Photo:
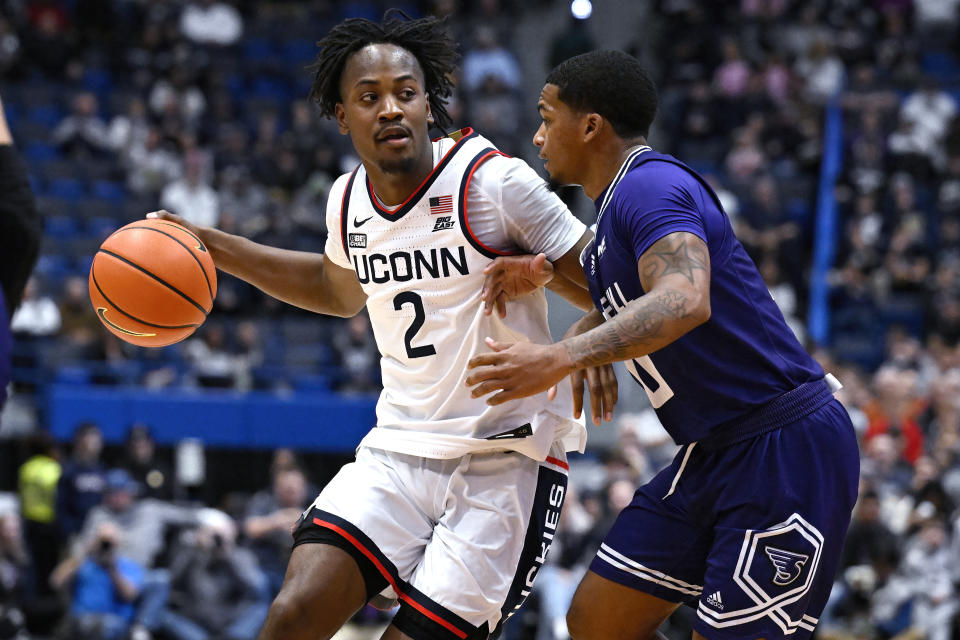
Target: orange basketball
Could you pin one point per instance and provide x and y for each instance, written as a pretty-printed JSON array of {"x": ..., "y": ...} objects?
[{"x": 152, "y": 283}]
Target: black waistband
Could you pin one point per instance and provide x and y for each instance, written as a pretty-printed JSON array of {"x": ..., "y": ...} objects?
[{"x": 779, "y": 412}]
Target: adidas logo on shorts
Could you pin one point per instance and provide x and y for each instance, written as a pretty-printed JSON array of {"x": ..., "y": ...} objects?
[{"x": 714, "y": 600}]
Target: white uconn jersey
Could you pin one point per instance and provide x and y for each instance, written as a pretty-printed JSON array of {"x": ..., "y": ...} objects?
[{"x": 421, "y": 267}]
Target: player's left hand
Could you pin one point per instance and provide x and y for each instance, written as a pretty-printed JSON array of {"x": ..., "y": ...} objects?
[
  {"x": 517, "y": 370},
  {"x": 509, "y": 277}
]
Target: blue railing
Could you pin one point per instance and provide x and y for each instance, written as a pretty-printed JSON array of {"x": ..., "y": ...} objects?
[{"x": 825, "y": 230}]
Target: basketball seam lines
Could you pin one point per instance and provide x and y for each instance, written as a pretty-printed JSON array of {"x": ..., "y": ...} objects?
[
  {"x": 134, "y": 318},
  {"x": 160, "y": 280},
  {"x": 200, "y": 264}
]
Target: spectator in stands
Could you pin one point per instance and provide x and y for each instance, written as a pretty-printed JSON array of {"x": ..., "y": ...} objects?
[
  {"x": 81, "y": 485},
  {"x": 83, "y": 133},
  {"x": 312, "y": 195},
  {"x": 38, "y": 315},
  {"x": 822, "y": 72},
  {"x": 936, "y": 20},
  {"x": 357, "y": 355},
  {"x": 152, "y": 474},
  {"x": 211, "y": 22},
  {"x": 80, "y": 331},
  {"x": 212, "y": 364},
  {"x": 928, "y": 568},
  {"x": 243, "y": 202},
  {"x": 217, "y": 590},
  {"x": 37, "y": 490},
  {"x": 103, "y": 585},
  {"x": 495, "y": 110},
  {"x": 269, "y": 518},
  {"x": 869, "y": 537},
  {"x": 16, "y": 578},
  {"x": 45, "y": 44},
  {"x": 130, "y": 128},
  {"x": 488, "y": 57},
  {"x": 884, "y": 467},
  {"x": 733, "y": 74},
  {"x": 191, "y": 196},
  {"x": 145, "y": 521},
  {"x": 151, "y": 165},
  {"x": 746, "y": 159},
  {"x": 248, "y": 353},
  {"x": 895, "y": 409},
  {"x": 766, "y": 229},
  {"x": 870, "y": 555},
  {"x": 572, "y": 41},
  {"x": 178, "y": 96},
  {"x": 930, "y": 110}
]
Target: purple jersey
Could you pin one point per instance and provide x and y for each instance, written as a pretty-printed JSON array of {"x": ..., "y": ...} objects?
[{"x": 745, "y": 355}]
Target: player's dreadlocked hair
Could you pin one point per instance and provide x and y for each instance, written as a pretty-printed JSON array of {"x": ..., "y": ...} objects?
[
  {"x": 612, "y": 84},
  {"x": 426, "y": 38}
]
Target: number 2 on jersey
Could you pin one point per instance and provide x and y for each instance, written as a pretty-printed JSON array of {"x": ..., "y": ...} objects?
[{"x": 411, "y": 297}]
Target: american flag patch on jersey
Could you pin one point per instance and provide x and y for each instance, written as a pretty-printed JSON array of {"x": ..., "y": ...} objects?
[{"x": 440, "y": 205}]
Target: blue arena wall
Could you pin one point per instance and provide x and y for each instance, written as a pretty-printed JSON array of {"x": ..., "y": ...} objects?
[{"x": 307, "y": 421}]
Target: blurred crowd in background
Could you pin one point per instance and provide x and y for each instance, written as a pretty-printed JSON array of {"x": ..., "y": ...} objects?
[{"x": 124, "y": 106}]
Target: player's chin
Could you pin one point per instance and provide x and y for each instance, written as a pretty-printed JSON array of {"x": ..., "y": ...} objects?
[
  {"x": 397, "y": 164},
  {"x": 554, "y": 182}
]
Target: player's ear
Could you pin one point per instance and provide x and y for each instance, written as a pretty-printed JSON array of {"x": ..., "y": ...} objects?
[
  {"x": 341, "y": 115},
  {"x": 429, "y": 111},
  {"x": 593, "y": 124}
]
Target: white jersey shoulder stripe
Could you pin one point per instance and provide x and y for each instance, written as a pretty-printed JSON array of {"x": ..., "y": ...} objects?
[
  {"x": 344, "y": 207},
  {"x": 479, "y": 159}
]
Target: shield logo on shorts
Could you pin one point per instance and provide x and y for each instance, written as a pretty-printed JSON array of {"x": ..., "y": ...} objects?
[{"x": 775, "y": 569}]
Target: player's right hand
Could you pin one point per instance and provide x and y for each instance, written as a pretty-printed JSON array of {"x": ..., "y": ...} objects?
[
  {"x": 510, "y": 277},
  {"x": 163, "y": 214},
  {"x": 602, "y": 384}
]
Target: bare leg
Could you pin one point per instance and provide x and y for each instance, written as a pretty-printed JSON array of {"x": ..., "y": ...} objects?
[
  {"x": 323, "y": 588},
  {"x": 603, "y": 609}
]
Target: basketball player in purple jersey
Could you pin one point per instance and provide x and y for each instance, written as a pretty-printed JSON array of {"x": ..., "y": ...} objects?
[{"x": 748, "y": 521}]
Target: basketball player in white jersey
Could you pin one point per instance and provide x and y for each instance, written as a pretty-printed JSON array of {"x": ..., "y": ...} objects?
[{"x": 451, "y": 504}]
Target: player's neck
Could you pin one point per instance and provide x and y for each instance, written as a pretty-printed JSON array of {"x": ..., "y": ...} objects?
[
  {"x": 606, "y": 162},
  {"x": 394, "y": 187}
]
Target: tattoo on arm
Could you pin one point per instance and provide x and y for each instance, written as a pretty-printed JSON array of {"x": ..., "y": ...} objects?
[
  {"x": 674, "y": 253},
  {"x": 671, "y": 307},
  {"x": 639, "y": 327}
]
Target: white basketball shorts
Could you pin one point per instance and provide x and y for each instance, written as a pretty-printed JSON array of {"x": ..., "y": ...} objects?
[{"x": 456, "y": 542}]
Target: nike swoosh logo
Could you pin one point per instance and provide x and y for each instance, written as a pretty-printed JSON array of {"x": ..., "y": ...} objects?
[
  {"x": 199, "y": 246},
  {"x": 102, "y": 312},
  {"x": 358, "y": 223}
]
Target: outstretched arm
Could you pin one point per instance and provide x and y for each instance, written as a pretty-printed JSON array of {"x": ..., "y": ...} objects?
[
  {"x": 305, "y": 280},
  {"x": 675, "y": 273}
]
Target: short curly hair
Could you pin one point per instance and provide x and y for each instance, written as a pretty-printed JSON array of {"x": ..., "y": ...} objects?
[
  {"x": 425, "y": 38},
  {"x": 612, "y": 84}
]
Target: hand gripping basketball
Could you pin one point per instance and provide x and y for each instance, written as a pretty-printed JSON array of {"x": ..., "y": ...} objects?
[{"x": 152, "y": 282}]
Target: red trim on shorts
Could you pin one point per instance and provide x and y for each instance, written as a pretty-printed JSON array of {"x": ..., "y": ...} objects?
[
  {"x": 560, "y": 463},
  {"x": 393, "y": 583},
  {"x": 464, "y": 198}
]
